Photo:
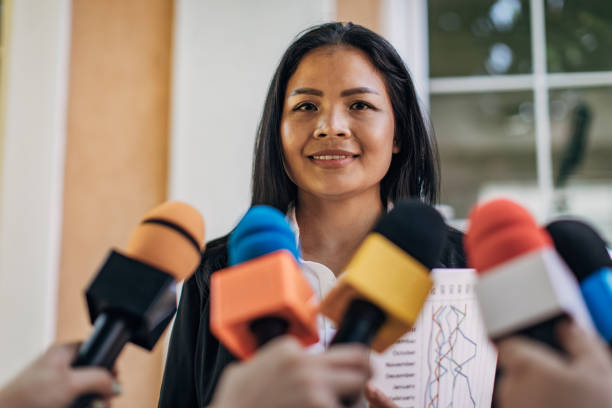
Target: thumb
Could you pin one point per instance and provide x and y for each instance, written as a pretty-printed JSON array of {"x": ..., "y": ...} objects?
[
  {"x": 519, "y": 354},
  {"x": 281, "y": 346},
  {"x": 581, "y": 344},
  {"x": 376, "y": 398},
  {"x": 85, "y": 380}
]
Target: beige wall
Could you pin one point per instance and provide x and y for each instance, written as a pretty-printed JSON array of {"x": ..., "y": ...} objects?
[
  {"x": 116, "y": 157},
  {"x": 364, "y": 12}
]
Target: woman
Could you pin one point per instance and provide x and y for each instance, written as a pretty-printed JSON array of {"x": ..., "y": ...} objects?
[{"x": 341, "y": 138}]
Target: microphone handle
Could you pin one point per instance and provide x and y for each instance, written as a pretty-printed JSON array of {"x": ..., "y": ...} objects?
[
  {"x": 544, "y": 332},
  {"x": 266, "y": 328},
  {"x": 110, "y": 335},
  {"x": 360, "y": 325}
]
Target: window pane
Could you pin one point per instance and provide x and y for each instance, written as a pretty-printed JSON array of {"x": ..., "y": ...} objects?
[
  {"x": 581, "y": 127},
  {"x": 487, "y": 148},
  {"x": 479, "y": 37},
  {"x": 579, "y": 35}
]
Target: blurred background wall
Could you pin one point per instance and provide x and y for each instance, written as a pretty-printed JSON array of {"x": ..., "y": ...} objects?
[
  {"x": 34, "y": 83},
  {"x": 116, "y": 147},
  {"x": 109, "y": 107},
  {"x": 224, "y": 57}
]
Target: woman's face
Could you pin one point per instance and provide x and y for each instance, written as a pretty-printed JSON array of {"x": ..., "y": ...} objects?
[{"x": 337, "y": 128}]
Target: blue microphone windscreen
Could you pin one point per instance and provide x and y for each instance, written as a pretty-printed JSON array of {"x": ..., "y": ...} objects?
[
  {"x": 261, "y": 231},
  {"x": 597, "y": 292}
]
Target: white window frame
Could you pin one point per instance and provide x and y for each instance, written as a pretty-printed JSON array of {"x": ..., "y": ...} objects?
[{"x": 412, "y": 43}]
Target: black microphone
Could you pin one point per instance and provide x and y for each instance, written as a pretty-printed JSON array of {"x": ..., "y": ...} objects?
[
  {"x": 133, "y": 296},
  {"x": 587, "y": 256},
  {"x": 383, "y": 288},
  {"x": 381, "y": 293}
]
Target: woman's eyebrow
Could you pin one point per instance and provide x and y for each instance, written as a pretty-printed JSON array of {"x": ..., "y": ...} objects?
[
  {"x": 347, "y": 92},
  {"x": 359, "y": 90},
  {"x": 309, "y": 91}
]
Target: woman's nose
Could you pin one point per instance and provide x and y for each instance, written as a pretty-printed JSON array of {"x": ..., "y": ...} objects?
[{"x": 332, "y": 123}]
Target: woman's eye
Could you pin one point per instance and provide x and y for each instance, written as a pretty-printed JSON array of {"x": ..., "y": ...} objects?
[
  {"x": 306, "y": 106},
  {"x": 359, "y": 105}
]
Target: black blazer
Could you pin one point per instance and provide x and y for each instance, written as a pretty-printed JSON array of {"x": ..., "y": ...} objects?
[{"x": 196, "y": 359}]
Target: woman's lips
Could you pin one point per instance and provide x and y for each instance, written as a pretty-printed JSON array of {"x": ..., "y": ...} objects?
[{"x": 333, "y": 160}]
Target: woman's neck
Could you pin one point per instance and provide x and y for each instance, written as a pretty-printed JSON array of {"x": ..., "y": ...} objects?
[{"x": 332, "y": 230}]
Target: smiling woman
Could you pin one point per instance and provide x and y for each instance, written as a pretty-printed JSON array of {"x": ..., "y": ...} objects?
[
  {"x": 337, "y": 125},
  {"x": 341, "y": 138}
]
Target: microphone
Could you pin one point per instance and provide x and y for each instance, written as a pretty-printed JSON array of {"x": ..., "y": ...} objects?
[
  {"x": 133, "y": 296},
  {"x": 384, "y": 287},
  {"x": 586, "y": 254},
  {"x": 524, "y": 287},
  {"x": 263, "y": 294}
]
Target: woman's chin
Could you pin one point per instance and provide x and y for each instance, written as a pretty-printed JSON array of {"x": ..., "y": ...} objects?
[{"x": 340, "y": 192}]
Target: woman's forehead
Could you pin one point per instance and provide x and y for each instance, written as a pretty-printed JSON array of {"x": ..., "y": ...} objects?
[{"x": 335, "y": 68}]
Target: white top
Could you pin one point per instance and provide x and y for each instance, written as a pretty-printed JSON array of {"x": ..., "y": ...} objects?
[{"x": 321, "y": 279}]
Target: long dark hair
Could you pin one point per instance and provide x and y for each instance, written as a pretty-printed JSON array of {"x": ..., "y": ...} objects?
[{"x": 413, "y": 171}]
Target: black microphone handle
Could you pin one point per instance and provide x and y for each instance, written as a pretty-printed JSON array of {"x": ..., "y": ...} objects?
[
  {"x": 267, "y": 328},
  {"x": 360, "y": 325},
  {"x": 544, "y": 332},
  {"x": 110, "y": 335}
]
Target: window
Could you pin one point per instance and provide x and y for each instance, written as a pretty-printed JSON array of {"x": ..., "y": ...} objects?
[{"x": 520, "y": 96}]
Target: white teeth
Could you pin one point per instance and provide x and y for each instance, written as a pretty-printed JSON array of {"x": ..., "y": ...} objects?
[{"x": 334, "y": 157}]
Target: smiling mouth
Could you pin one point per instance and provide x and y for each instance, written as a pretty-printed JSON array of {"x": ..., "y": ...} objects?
[{"x": 333, "y": 156}]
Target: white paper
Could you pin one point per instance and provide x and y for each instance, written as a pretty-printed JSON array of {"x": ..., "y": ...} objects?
[{"x": 446, "y": 360}]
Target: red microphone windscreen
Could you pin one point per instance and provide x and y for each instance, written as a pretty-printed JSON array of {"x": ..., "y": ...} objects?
[{"x": 500, "y": 230}]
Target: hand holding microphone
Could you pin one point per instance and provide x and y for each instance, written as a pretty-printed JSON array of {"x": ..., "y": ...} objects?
[
  {"x": 524, "y": 287},
  {"x": 133, "y": 297},
  {"x": 284, "y": 375},
  {"x": 537, "y": 376},
  {"x": 50, "y": 382},
  {"x": 263, "y": 294},
  {"x": 381, "y": 293}
]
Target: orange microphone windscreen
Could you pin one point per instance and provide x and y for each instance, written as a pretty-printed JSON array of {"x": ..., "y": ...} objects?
[
  {"x": 271, "y": 285},
  {"x": 170, "y": 237},
  {"x": 500, "y": 230}
]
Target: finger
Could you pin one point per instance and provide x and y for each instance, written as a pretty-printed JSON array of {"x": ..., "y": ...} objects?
[
  {"x": 63, "y": 352},
  {"x": 377, "y": 399},
  {"x": 283, "y": 344},
  {"x": 285, "y": 350},
  {"x": 580, "y": 344},
  {"x": 520, "y": 353},
  {"x": 93, "y": 380},
  {"x": 99, "y": 404},
  {"x": 61, "y": 355},
  {"x": 345, "y": 381},
  {"x": 503, "y": 391},
  {"x": 327, "y": 400},
  {"x": 70, "y": 348},
  {"x": 353, "y": 356}
]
